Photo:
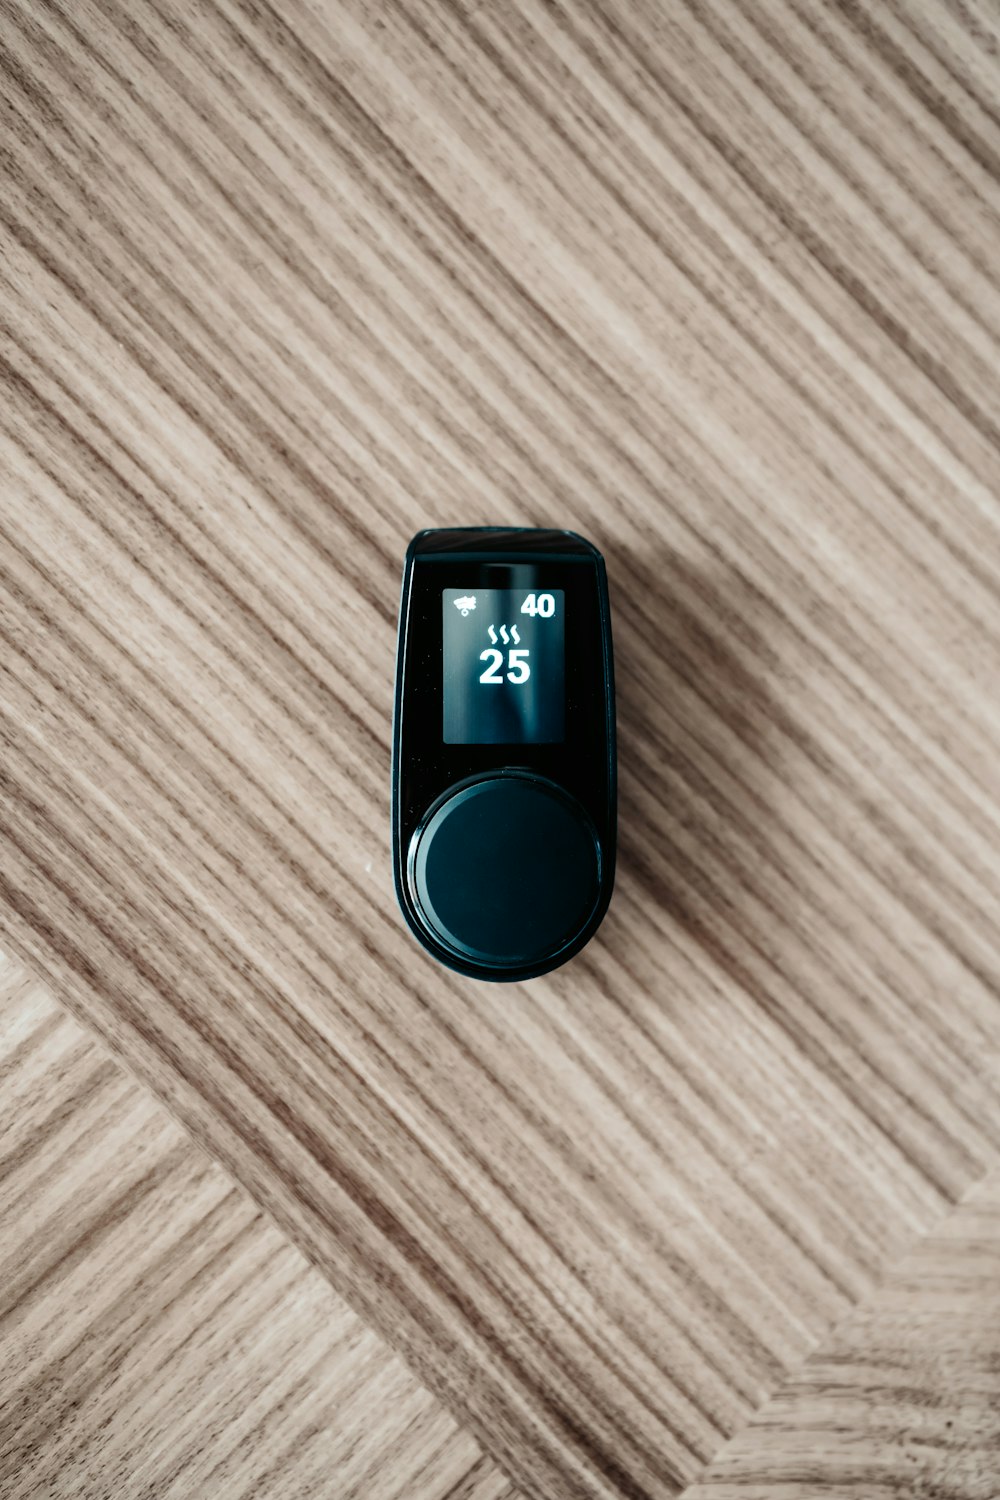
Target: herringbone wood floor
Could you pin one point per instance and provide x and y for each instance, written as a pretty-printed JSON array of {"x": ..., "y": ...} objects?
[{"x": 715, "y": 1205}]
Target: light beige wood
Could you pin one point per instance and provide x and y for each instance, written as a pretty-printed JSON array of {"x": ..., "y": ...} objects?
[
  {"x": 904, "y": 1398},
  {"x": 157, "y": 1336},
  {"x": 718, "y": 287}
]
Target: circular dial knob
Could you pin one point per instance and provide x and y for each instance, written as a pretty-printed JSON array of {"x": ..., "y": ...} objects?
[{"x": 506, "y": 871}]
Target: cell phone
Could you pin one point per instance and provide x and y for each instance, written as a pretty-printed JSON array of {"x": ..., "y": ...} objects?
[{"x": 504, "y": 772}]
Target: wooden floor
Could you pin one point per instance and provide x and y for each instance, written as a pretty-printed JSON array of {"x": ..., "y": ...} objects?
[
  {"x": 158, "y": 1335},
  {"x": 714, "y": 1209}
]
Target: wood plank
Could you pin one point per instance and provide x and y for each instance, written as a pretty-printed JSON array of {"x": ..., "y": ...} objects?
[
  {"x": 718, "y": 289},
  {"x": 157, "y": 1335},
  {"x": 904, "y": 1398}
]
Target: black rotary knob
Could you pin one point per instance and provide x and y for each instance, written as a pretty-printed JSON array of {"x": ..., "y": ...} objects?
[{"x": 505, "y": 871}]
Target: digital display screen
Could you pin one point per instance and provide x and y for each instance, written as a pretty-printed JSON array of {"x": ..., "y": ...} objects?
[{"x": 504, "y": 666}]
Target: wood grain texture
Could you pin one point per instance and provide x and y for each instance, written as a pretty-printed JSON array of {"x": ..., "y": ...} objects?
[
  {"x": 157, "y": 1336},
  {"x": 715, "y": 285},
  {"x": 904, "y": 1397}
]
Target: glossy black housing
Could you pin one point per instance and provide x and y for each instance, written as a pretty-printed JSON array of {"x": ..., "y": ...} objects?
[{"x": 424, "y": 767}]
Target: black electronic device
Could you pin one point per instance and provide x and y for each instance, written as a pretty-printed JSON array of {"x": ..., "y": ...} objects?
[{"x": 504, "y": 768}]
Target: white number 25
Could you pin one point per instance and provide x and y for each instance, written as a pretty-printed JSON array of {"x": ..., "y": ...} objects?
[{"x": 517, "y": 665}]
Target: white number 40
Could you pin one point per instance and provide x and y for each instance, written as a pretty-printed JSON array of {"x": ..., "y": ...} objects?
[
  {"x": 517, "y": 665},
  {"x": 539, "y": 604}
]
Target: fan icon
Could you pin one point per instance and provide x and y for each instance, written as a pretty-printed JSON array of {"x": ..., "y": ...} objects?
[{"x": 467, "y": 602}]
